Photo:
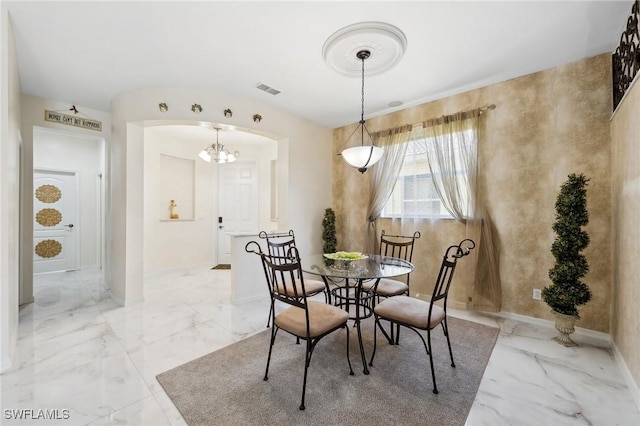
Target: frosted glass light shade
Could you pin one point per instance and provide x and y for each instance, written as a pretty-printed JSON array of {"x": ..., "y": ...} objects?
[
  {"x": 362, "y": 157},
  {"x": 205, "y": 156}
]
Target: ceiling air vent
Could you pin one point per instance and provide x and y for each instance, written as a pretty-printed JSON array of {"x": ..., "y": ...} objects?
[{"x": 267, "y": 89}]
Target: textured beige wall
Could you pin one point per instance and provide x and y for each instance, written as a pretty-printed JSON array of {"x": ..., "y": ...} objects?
[
  {"x": 546, "y": 126},
  {"x": 625, "y": 139}
]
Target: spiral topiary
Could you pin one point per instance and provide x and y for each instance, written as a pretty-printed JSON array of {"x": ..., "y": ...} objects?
[
  {"x": 329, "y": 231},
  {"x": 567, "y": 291}
]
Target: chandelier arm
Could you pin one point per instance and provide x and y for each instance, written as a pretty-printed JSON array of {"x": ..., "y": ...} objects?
[
  {"x": 368, "y": 159},
  {"x": 368, "y": 134},
  {"x": 349, "y": 138}
]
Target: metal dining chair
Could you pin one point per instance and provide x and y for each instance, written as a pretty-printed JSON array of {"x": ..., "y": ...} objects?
[
  {"x": 305, "y": 319},
  {"x": 416, "y": 314},
  {"x": 401, "y": 247},
  {"x": 279, "y": 245}
]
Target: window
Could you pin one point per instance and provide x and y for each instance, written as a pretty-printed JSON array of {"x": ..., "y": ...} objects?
[{"x": 414, "y": 194}]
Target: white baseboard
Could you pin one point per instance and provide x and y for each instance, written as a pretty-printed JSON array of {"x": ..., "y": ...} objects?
[
  {"x": 626, "y": 373},
  {"x": 598, "y": 335}
]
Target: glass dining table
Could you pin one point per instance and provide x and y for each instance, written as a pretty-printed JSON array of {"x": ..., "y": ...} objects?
[{"x": 344, "y": 279}]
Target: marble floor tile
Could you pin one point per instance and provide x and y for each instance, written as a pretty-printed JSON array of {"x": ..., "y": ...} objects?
[
  {"x": 532, "y": 380},
  {"x": 43, "y": 327},
  {"x": 89, "y": 391},
  {"x": 49, "y": 358},
  {"x": 180, "y": 348},
  {"x": 80, "y": 351},
  {"x": 143, "y": 412},
  {"x": 170, "y": 411}
]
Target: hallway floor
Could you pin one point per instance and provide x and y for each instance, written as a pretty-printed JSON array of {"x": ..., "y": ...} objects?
[{"x": 95, "y": 362}]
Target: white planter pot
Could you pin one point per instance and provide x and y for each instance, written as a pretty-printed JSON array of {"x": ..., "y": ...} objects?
[{"x": 565, "y": 326}]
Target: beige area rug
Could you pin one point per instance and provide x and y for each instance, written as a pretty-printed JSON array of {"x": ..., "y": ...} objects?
[{"x": 226, "y": 387}]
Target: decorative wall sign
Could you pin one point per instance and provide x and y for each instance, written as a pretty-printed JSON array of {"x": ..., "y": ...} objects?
[
  {"x": 69, "y": 120},
  {"x": 48, "y": 248},
  {"x": 48, "y": 193},
  {"x": 48, "y": 217}
]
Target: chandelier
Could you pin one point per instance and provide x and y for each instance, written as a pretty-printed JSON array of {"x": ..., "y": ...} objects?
[
  {"x": 363, "y": 156},
  {"x": 217, "y": 153}
]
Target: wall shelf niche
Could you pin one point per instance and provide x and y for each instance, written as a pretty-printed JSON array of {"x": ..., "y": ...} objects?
[{"x": 176, "y": 183}]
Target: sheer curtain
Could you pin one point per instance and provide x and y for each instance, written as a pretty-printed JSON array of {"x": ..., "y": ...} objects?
[
  {"x": 451, "y": 143},
  {"x": 383, "y": 177}
]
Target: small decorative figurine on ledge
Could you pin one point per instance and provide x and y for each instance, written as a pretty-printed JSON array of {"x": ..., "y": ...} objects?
[{"x": 172, "y": 207}]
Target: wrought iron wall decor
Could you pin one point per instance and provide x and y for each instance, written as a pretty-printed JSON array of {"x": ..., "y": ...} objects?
[{"x": 625, "y": 61}]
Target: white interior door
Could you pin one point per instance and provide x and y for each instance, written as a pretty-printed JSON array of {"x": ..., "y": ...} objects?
[
  {"x": 237, "y": 203},
  {"x": 55, "y": 226}
]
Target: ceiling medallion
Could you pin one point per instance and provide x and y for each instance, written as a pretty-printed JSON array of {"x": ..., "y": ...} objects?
[
  {"x": 385, "y": 42},
  {"x": 48, "y": 217},
  {"x": 48, "y": 248},
  {"x": 48, "y": 193}
]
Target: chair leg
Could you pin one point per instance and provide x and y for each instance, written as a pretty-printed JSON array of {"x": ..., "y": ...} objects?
[
  {"x": 433, "y": 374},
  {"x": 379, "y": 324},
  {"x": 398, "y": 329},
  {"x": 346, "y": 327},
  {"x": 375, "y": 338},
  {"x": 274, "y": 330},
  {"x": 445, "y": 328},
  {"x": 307, "y": 361},
  {"x": 389, "y": 338},
  {"x": 270, "y": 315}
]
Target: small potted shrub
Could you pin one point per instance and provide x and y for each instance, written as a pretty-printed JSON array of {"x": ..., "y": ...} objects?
[
  {"x": 329, "y": 231},
  {"x": 567, "y": 291}
]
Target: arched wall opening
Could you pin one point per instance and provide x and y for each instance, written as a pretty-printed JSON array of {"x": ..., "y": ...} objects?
[
  {"x": 304, "y": 165},
  {"x": 175, "y": 175}
]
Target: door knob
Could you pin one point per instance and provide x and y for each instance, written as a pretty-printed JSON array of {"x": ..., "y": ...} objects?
[{"x": 69, "y": 225}]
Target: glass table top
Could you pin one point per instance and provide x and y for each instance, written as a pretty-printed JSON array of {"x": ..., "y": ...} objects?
[{"x": 374, "y": 266}]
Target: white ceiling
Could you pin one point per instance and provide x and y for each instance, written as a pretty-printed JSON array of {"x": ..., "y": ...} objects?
[{"x": 86, "y": 52}]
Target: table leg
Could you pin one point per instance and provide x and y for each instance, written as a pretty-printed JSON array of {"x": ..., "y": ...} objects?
[{"x": 358, "y": 305}]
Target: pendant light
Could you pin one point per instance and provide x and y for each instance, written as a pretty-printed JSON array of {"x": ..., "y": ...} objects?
[
  {"x": 217, "y": 152},
  {"x": 363, "y": 156}
]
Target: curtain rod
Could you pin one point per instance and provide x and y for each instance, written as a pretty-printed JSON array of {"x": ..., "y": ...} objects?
[
  {"x": 406, "y": 127},
  {"x": 488, "y": 107}
]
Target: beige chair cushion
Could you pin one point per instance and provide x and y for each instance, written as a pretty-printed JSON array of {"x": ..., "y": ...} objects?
[
  {"x": 311, "y": 287},
  {"x": 387, "y": 287},
  {"x": 322, "y": 318},
  {"x": 410, "y": 311}
]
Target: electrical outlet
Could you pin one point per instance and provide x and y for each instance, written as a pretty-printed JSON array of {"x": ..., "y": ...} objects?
[{"x": 537, "y": 294}]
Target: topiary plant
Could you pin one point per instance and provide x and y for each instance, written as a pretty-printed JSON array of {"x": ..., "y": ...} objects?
[
  {"x": 567, "y": 292},
  {"x": 329, "y": 231}
]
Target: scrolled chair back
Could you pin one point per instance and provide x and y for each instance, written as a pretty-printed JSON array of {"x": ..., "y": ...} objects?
[
  {"x": 448, "y": 266},
  {"x": 279, "y": 243},
  {"x": 398, "y": 246},
  {"x": 284, "y": 277}
]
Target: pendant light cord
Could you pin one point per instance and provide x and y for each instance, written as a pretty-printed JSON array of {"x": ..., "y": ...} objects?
[{"x": 362, "y": 98}]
